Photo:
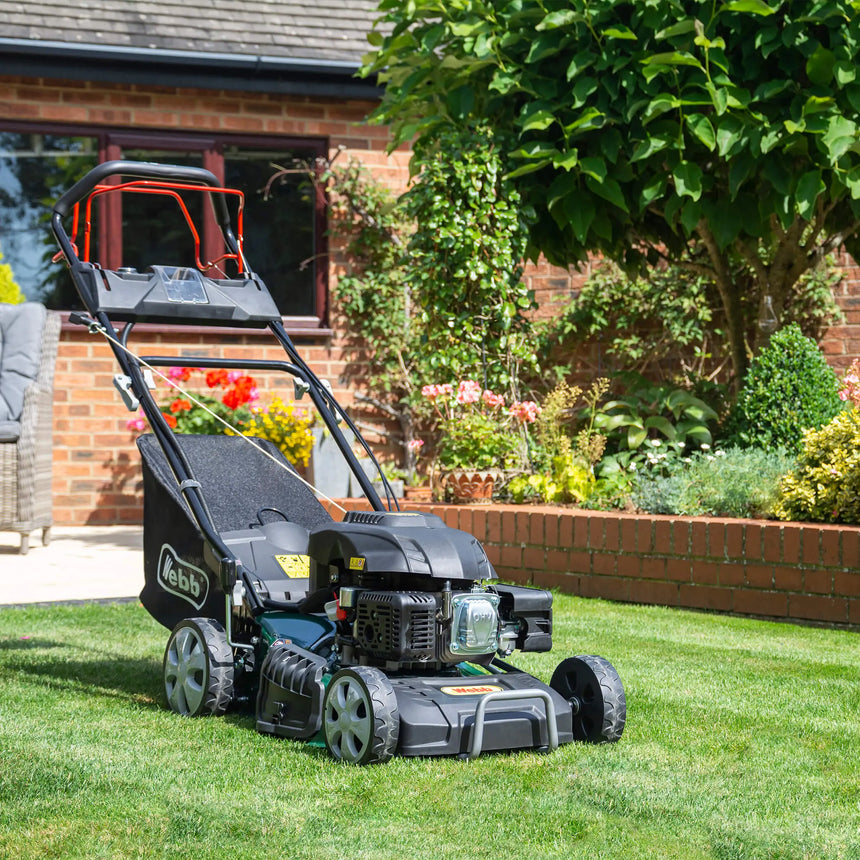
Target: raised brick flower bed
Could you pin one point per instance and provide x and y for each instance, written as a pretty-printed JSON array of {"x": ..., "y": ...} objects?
[{"x": 796, "y": 571}]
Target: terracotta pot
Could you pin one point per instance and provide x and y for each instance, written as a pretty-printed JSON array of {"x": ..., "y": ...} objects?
[{"x": 470, "y": 487}]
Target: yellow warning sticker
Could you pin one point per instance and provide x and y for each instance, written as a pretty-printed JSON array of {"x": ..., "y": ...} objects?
[
  {"x": 356, "y": 563},
  {"x": 471, "y": 690},
  {"x": 295, "y": 566}
]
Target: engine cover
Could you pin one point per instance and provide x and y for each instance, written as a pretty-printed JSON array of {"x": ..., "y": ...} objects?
[{"x": 396, "y": 625}]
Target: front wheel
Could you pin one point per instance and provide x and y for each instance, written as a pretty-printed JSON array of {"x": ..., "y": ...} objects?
[
  {"x": 596, "y": 697},
  {"x": 361, "y": 722},
  {"x": 198, "y": 668}
]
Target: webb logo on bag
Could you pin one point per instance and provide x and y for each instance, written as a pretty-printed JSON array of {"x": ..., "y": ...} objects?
[{"x": 182, "y": 579}]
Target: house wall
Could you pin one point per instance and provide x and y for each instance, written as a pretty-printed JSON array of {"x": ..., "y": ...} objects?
[{"x": 96, "y": 464}]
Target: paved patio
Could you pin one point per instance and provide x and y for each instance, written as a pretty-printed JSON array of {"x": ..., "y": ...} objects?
[{"x": 80, "y": 563}]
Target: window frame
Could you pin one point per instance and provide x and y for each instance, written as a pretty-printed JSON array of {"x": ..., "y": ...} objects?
[{"x": 110, "y": 142}]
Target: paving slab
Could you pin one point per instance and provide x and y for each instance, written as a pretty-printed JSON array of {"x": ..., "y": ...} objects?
[{"x": 79, "y": 563}]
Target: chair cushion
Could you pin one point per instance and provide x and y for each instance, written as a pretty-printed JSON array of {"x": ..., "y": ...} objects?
[
  {"x": 20, "y": 350},
  {"x": 10, "y": 431}
]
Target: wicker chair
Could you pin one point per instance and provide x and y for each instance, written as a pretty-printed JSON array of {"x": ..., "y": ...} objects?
[{"x": 26, "y": 449}]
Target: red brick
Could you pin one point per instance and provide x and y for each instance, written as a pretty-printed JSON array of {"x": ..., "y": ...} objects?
[
  {"x": 612, "y": 534},
  {"x": 731, "y": 574},
  {"x": 564, "y": 582},
  {"x": 759, "y": 575},
  {"x": 580, "y": 561},
  {"x": 628, "y": 534},
  {"x": 681, "y": 537},
  {"x": 663, "y": 536},
  {"x": 534, "y": 558},
  {"x": 811, "y": 542},
  {"x": 854, "y": 611},
  {"x": 494, "y": 553},
  {"x": 509, "y": 527},
  {"x": 791, "y": 540},
  {"x": 645, "y": 535},
  {"x": 770, "y": 603},
  {"x": 606, "y": 587},
  {"x": 494, "y": 526},
  {"x": 479, "y": 524},
  {"x": 595, "y": 532},
  {"x": 818, "y": 608},
  {"x": 653, "y": 568},
  {"x": 772, "y": 543},
  {"x": 787, "y": 578},
  {"x": 565, "y": 530},
  {"x": 706, "y": 597},
  {"x": 551, "y": 530},
  {"x": 515, "y": 574},
  {"x": 559, "y": 560},
  {"x": 580, "y": 531},
  {"x": 734, "y": 540},
  {"x": 818, "y": 581},
  {"x": 603, "y": 564},
  {"x": 679, "y": 569},
  {"x": 851, "y": 548},
  {"x": 752, "y": 541},
  {"x": 629, "y": 566},
  {"x": 657, "y": 593},
  {"x": 706, "y": 572},
  {"x": 523, "y": 526},
  {"x": 699, "y": 539},
  {"x": 847, "y": 583},
  {"x": 512, "y": 556},
  {"x": 830, "y": 555},
  {"x": 716, "y": 539}
]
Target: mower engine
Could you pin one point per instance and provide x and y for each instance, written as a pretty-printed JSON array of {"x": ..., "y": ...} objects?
[{"x": 407, "y": 593}]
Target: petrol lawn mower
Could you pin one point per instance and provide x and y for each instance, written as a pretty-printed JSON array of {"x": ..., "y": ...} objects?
[{"x": 385, "y": 633}]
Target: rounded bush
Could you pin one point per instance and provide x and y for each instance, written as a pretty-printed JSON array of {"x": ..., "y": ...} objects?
[
  {"x": 825, "y": 486},
  {"x": 788, "y": 388}
]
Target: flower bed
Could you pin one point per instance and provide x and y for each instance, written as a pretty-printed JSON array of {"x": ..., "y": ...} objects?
[{"x": 790, "y": 571}]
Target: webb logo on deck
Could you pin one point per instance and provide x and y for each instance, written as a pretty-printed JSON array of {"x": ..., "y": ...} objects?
[{"x": 182, "y": 579}]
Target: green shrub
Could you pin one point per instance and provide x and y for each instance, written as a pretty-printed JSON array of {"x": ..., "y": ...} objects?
[
  {"x": 788, "y": 389},
  {"x": 825, "y": 486},
  {"x": 737, "y": 482},
  {"x": 10, "y": 292}
]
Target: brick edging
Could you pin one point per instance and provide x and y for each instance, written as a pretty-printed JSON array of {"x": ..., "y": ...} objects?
[{"x": 794, "y": 571}]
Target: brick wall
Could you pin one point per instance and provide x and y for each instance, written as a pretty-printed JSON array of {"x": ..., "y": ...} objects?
[{"x": 795, "y": 571}]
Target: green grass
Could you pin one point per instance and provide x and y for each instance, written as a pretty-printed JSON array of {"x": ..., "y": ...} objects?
[{"x": 742, "y": 741}]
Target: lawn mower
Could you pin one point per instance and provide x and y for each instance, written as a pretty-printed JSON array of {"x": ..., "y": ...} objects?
[{"x": 381, "y": 633}]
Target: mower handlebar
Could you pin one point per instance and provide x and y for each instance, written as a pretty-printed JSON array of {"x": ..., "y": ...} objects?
[{"x": 141, "y": 170}]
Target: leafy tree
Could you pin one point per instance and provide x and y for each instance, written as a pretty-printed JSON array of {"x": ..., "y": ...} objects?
[{"x": 644, "y": 128}]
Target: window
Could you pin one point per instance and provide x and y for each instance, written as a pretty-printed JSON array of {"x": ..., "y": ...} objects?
[{"x": 284, "y": 212}]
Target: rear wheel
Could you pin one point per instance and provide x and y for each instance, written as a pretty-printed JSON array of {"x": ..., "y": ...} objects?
[
  {"x": 361, "y": 722},
  {"x": 198, "y": 668},
  {"x": 596, "y": 697}
]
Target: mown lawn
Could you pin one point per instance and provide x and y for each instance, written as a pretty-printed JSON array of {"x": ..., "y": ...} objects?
[{"x": 742, "y": 741}]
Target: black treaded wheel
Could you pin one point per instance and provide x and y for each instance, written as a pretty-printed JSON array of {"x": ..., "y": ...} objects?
[
  {"x": 596, "y": 695},
  {"x": 198, "y": 668},
  {"x": 361, "y": 721}
]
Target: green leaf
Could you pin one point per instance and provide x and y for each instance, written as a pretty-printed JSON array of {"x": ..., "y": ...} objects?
[
  {"x": 729, "y": 131},
  {"x": 679, "y": 29},
  {"x": 559, "y": 19},
  {"x": 673, "y": 58},
  {"x": 566, "y": 160},
  {"x": 752, "y": 7},
  {"x": 609, "y": 190},
  {"x": 539, "y": 121},
  {"x": 688, "y": 179},
  {"x": 701, "y": 128},
  {"x": 461, "y": 101},
  {"x": 819, "y": 67},
  {"x": 816, "y": 104},
  {"x": 595, "y": 167},
  {"x": 531, "y": 167},
  {"x": 809, "y": 187},
  {"x": 845, "y": 72},
  {"x": 580, "y": 214},
  {"x": 619, "y": 31}
]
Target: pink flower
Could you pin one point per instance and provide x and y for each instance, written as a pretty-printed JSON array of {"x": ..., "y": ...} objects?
[
  {"x": 495, "y": 401},
  {"x": 138, "y": 423},
  {"x": 468, "y": 392},
  {"x": 431, "y": 392},
  {"x": 415, "y": 445},
  {"x": 180, "y": 374},
  {"x": 526, "y": 411},
  {"x": 234, "y": 376}
]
